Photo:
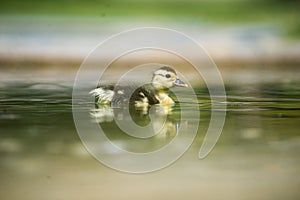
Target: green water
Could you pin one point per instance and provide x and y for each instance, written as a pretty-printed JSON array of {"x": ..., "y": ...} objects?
[{"x": 256, "y": 157}]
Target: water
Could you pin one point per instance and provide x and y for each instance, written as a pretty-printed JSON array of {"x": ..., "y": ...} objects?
[{"x": 256, "y": 157}]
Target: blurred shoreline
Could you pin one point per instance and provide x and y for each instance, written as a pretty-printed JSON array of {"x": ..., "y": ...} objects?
[
  {"x": 36, "y": 41},
  {"x": 50, "y": 49}
]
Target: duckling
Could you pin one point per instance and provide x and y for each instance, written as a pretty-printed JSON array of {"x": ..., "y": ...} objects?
[{"x": 156, "y": 92}]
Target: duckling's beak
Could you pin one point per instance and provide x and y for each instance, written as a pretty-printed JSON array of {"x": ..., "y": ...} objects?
[{"x": 180, "y": 83}]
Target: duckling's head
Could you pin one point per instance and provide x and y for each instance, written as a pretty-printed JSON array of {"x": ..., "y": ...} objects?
[{"x": 165, "y": 78}]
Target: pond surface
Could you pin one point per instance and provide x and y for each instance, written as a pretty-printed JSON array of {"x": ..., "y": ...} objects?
[{"x": 256, "y": 156}]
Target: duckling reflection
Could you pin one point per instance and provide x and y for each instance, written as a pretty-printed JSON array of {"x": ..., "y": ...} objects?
[
  {"x": 163, "y": 120},
  {"x": 103, "y": 113}
]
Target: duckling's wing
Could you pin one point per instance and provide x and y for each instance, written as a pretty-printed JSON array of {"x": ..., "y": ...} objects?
[
  {"x": 110, "y": 94},
  {"x": 121, "y": 95},
  {"x": 103, "y": 95}
]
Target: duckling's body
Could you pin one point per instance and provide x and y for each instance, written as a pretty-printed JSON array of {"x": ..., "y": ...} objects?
[{"x": 156, "y": 92}]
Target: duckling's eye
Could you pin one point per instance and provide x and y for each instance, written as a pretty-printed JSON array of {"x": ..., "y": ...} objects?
[{"x": 168, "y": 76}]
